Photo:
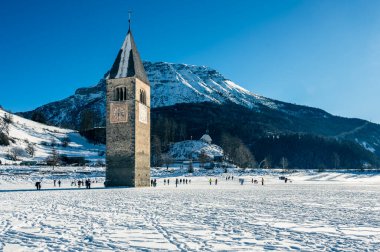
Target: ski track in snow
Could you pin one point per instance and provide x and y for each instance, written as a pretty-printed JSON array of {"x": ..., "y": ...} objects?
[{"x": 196, "y": 217}]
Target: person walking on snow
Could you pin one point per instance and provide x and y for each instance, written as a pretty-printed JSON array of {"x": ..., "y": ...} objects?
[
  {"x": 216, "y": 181},
  {"x": 210, "y": 180},
  {"x": 262, "y": 181},
  {"x": 241, "y": 180},
  {"x": 59, "y": 183},
  {"x": 176, "y": 182}
]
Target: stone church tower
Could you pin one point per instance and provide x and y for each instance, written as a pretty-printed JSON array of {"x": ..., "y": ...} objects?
[{"x": 128, "y": 119}]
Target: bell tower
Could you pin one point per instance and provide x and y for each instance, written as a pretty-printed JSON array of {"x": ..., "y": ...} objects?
[{"x": 128, "y": 120}]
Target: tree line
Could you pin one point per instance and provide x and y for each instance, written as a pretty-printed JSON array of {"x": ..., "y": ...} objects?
[{"x": 252, "y": 138}]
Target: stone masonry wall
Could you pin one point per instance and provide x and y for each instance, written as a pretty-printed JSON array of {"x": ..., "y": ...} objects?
[
  {"x": 120, "y": 138},
  {"x": 142, "y": 131}
]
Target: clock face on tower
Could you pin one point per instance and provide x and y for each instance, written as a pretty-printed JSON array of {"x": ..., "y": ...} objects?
[
  {"x": 118, "y": 112},
  {"x": 143, "y": 113}
]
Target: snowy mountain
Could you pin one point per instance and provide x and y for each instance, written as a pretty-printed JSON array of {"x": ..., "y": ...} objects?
[
  {"x": 23, "y": 133},
  {"x": 181, "y": 83},
  {"x": 171, "y": 84}
]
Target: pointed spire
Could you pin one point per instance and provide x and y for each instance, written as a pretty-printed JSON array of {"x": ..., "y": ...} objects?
[{"x": 128, "y": 62}]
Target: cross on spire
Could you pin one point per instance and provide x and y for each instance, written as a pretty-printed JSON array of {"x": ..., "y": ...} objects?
[{"x": 129, "y": 20}]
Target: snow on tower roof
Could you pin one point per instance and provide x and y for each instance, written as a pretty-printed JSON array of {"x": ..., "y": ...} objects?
[{"x": 128, "y": 62}]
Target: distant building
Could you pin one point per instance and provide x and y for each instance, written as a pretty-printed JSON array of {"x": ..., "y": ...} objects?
[
  {"x": 218, "y": 158},
  {"x": 206, "y": 138},
  {"x": 193, "y": 149}
]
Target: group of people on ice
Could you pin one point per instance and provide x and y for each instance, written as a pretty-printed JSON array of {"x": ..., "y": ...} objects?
[
  {"x": 38, "y": 185},
  {"x": 185, "y": 181},
  {"x": 181, "y": 181},
  {"x": 210, "y": 181},
  {"x": 253, "y": 181},
  {"x": 229, "y": 177},
  {"x": 153, "y": 182},
  {"x": 55, "y": 183},
  {"x": 80, "y": 183}
]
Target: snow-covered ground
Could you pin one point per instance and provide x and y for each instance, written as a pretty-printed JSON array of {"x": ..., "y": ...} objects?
[
  {"x": 44, "y": 138},
  {"x": 316, "y": 212}
]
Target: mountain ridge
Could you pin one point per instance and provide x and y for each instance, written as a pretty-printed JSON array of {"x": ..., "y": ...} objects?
[
  {"x": 169, "y": 87},
  {"x": 174, "y": 84}
]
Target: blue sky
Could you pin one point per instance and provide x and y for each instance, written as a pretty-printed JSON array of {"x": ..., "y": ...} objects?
[{"x": 321, "y": 53}]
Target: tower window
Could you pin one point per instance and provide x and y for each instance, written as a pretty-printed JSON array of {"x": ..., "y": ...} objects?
[
  {"x": 143, "y": 96},
  {"x": 120, "y": 94}
]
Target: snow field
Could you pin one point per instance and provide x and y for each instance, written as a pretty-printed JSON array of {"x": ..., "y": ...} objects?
[{"x": 312, "y": 214}]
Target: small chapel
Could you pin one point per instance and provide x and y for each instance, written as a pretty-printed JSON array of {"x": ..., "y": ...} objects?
[{"x": 128, "y": 119}]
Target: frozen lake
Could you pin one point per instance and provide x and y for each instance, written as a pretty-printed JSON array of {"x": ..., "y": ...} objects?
[{"x": 306, "y": 215}]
